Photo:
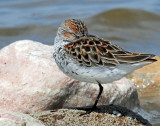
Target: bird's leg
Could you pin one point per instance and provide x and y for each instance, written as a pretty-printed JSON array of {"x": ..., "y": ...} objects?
[
  {"x": 94, "y": 107},
  {"x": 99, "y": 94}
]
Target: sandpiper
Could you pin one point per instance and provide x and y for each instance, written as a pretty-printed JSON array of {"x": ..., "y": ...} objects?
[{"x": 88, "y": 58}]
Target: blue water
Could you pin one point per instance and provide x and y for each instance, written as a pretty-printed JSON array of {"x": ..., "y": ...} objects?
[
  {"x": 20, "y": 12},
  {"x": 29, "y": 17}
]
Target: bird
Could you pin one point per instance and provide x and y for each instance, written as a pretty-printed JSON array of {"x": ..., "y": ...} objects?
[{"x": 89, "y": 58}]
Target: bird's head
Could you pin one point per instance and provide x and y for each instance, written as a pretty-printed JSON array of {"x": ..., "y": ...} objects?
[{"x": 72, "y": 29}]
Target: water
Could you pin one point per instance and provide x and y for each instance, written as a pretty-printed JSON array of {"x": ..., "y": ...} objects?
[{"x": 135, "y": 25}]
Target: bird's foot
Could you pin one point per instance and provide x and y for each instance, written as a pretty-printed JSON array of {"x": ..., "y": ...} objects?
[{"x": 88, "y": 111}]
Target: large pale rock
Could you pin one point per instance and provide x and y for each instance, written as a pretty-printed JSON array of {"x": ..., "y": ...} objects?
[
  {"x": 30, "y": 81},
  {"x": 147, "y": 80},
  {"x": 147, "y": 75}
]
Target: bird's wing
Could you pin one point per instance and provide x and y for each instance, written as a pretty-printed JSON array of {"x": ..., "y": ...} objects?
[{"x": 94, "y": 51}]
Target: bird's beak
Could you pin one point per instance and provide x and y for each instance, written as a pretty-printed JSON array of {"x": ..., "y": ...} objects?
[{"x": 67, "y": 41}]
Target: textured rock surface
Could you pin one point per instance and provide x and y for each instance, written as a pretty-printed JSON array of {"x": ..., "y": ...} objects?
[
  {"x": 104, "y": 116},
  {"x": 30, "y": 81}
]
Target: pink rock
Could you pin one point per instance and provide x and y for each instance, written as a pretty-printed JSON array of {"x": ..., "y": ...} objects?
[
  {"x": 10, "y": 116},
  {"x": 30, "y": 81},
  {"x": 18, "y": 119}
]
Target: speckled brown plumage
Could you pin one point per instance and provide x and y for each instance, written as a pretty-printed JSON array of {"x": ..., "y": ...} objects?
[{"x": 93, "y": 51}]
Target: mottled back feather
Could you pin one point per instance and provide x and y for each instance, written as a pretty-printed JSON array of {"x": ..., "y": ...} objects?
[{"x": 93, "y": 51}]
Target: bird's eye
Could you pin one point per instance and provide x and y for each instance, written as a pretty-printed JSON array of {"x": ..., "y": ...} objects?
[{"x": 75, "y": 35}]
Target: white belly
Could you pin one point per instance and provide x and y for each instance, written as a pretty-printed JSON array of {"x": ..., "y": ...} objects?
[
  {"x": 91, "y": 74},
  {"x": 100, "y": 74}
]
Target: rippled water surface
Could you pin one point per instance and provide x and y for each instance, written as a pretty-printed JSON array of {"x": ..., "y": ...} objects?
[{"x": 135, "y": 25}]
